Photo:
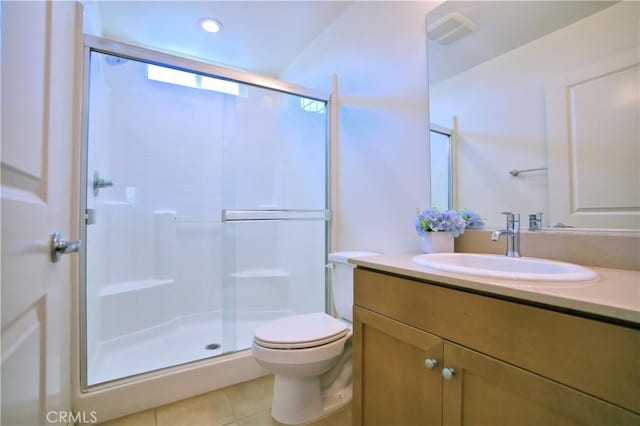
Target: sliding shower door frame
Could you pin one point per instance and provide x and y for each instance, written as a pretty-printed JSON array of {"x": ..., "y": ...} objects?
[{"x": 128, "y": 51}]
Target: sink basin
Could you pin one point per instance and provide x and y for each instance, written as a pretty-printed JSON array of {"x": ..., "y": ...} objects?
[{"x": 513, "y": 268}]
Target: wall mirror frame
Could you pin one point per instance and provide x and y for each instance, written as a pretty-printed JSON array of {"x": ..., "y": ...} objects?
[{"x": 542, "y": 100}]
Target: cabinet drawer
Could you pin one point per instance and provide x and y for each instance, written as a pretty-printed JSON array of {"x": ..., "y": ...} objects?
[{"x": 598, "y": 358}]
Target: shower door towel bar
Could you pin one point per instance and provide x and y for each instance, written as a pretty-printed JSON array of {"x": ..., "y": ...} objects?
[{"x": 274, "y": 215}]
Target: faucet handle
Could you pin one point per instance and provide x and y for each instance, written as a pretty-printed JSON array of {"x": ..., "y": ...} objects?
[
  {"x": 513, "y": 221},
  {"x": 535, "y": 221},
  {"x": 512, "y": 217}
]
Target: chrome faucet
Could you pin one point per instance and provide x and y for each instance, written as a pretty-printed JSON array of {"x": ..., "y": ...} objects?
[{"x": 513, "y": 234}]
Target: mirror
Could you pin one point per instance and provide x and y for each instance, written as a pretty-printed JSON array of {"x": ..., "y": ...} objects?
[{"x": 541, "y": 99}]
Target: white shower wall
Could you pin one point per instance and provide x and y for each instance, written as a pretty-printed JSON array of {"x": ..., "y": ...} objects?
[
  {"x": 177, "y": 157},
  {"x": 141, "y": 233}
]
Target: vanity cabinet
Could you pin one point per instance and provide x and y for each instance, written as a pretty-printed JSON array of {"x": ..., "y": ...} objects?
[
  {"x": 510, "y": 363},
  {"x": 395, "y": 387}
]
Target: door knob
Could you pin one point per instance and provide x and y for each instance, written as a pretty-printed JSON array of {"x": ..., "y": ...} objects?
[{"x": 61, "y": 246}]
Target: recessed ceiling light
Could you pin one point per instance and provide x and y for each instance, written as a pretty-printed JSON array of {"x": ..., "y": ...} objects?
[{"x": 210, "y": 25}]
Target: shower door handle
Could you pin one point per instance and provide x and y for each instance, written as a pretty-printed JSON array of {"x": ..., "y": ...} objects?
[
  {"x": 99, "y": 183},
  {"x": 61, "y": 246}
]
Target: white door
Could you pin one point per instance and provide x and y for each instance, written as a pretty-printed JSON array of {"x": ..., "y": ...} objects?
[
  {"x": 41, "y": 45},
  {"x": 593, "y": 144}
]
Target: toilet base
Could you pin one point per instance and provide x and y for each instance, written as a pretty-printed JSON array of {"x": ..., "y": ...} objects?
[
  {"x": 336, "y": 401},
  {"x": 299, "y": 400}
]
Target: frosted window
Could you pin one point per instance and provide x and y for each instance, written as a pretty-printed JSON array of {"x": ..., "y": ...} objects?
[
  {"x": 169, "y": 75},
  {"x": 217, "y": 85},
  {"x": 183, "y": 78}
]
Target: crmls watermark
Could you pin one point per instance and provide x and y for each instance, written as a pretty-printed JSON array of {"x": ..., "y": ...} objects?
[{"x": 70, "y": 417}]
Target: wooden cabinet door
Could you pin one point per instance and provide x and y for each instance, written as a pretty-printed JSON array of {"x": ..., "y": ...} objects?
[
  {"x": 485, "y": 391},
  {"x": 391, "y": 383}
]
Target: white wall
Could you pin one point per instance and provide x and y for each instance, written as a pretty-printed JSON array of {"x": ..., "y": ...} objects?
[
  {"x": 378, "y": 51},
  {"x": 500, "y": 106}
]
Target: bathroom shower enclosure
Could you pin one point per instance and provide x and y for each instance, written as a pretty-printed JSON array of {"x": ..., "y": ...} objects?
[{"x": 205, "y": 209}]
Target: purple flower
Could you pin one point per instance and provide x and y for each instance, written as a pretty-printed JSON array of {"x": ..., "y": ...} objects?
[
  {"x": 432, "y": 220},
  {"x": 472, "y": 220}
]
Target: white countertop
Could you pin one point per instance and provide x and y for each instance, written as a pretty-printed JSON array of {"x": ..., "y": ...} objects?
[{"x": 614, "y": 294}]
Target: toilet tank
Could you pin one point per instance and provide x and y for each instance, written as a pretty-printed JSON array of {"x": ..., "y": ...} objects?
[{"x": 342, "y": 281}]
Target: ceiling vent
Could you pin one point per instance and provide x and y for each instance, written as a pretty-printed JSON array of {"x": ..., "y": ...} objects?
[{"x": 450, "y": 28}]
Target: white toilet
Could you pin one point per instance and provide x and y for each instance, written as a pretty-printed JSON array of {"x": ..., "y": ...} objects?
[{"x": 310, "y": 354}]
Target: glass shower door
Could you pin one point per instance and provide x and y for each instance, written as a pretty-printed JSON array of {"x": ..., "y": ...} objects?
[
  {"x": 205, "y": 213},
  {"x": 275, "y": 210}
]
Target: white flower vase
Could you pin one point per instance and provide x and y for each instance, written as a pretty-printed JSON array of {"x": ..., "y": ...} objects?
[{"x": 437, "y": 242}]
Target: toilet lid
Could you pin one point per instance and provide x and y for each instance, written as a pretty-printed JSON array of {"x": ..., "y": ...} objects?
[{"x": 300, "y": 331}]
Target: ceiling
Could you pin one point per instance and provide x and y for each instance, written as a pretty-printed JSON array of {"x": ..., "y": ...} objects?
[
  {"x": 501, "y": 26},
  {"x": 258, "y": 36},
  {"x": 264, "y": 37}
]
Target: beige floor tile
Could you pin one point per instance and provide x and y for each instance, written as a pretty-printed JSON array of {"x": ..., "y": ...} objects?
[
  {"x": 250, "y": 397},
  {"x": 340, "y": 418},
  {"x": 211, "y": 409},
  {"x": 143, "y": 418},
  {"x": 262, "y": 418}
]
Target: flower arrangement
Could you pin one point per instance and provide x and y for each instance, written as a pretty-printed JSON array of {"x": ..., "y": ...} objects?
[
  {"x": 433, "y": 220},
  {"x": 472, "y": 220}
]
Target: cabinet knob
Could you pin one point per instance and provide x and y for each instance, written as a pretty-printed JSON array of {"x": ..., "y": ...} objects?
[
  {"x": 448, "y": 373},
  {"x": 430, "y": 363}
]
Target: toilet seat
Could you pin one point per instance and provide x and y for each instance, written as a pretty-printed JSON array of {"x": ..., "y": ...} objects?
[{"x": 300, "y": 331}]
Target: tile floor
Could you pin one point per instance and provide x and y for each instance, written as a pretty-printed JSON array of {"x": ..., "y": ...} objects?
[{"x": 244, "y": 404}]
